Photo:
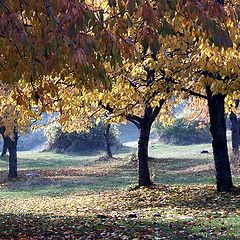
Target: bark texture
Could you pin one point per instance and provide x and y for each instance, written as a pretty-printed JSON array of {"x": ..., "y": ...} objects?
[
  {"x": 235, "y": 132},
  {"x": 144, "y": 175},
  {"x": 219, "y": 141},
  {"x": 11, "y": 145}
]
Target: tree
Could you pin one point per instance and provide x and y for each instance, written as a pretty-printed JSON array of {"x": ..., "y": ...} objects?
[
  {"x": 11, "y": 146},
  {"x": 209, "y": 71},
  {"x": 107, "y": 140},
  {"x": 117, "y": 106},
  {"x": 235, "y": 128},
  {"x": 14, "y": 118},
  {"x": 92, "y": 140},
  {"x": 73, "y": 38},
  {"x": 218, "y": 73}
]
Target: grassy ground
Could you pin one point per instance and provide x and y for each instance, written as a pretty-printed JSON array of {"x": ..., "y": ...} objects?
[{"x": 61, "y": 196}]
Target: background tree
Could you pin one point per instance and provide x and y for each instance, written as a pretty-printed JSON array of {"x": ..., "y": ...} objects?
[
  {"x": 235, "y": 129},
  {"x": 15, "y": 118},
  {"x": 91, "y": 140},
  {"x": 5, "y": 148}
]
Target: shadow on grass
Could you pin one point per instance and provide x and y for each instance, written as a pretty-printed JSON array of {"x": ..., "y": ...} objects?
[
  {"x": 182, "y": 171},
  {"x": 95, "y": 153},
  {"x": 182, "y": 213},
  {"x": 97, "y": 227},
  {"x": 190, "y": 197},
  {"x": 178, "y": 163},
  {"x": 29, "y": 160},
  {"x": 98, "y": 176},
  {"x": 60, "y": 174},
  {"x": 64, "y": 181}
]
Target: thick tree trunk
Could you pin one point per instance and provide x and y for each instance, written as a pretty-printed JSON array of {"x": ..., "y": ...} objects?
[
  {"x": 219, "y": 141},
  {"x": 235, "y": 132},
  {"x": 108, "y": 142},
  {"x": 144, "y": 175}
]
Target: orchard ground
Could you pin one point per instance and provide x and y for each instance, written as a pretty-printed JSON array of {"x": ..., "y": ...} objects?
[{"x": 59, "y": 196}]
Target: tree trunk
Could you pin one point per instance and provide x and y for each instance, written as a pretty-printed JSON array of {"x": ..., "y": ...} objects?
[
  {"x": 144, "y": 175},
  {"x": 235, "y": 132},
  {"x": 219, "y": 141},
  {"x": 13, "y": 160},
  {"x": 108, "y": 142},
  {"x": 4, "y": 151},
  {"x": 12, "y": 148}
]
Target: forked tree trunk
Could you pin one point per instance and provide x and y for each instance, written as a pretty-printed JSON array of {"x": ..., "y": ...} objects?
[
  {"x": 219, "y": 141},
  {"x": 144, "y": 175}
]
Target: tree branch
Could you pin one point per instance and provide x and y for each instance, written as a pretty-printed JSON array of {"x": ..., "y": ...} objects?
[
  {"x": 157, "y": 110},
  {"x": 194, "y": 93}
]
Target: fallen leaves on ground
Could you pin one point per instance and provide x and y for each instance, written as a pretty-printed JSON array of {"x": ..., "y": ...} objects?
[{"x": 159, "y": 212}]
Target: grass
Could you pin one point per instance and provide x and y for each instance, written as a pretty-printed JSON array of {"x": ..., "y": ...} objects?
[{"x": 60, "y": 196}]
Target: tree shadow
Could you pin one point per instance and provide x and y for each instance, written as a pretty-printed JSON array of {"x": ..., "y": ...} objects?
[
  {"x": 94, "y": 227},
  {"x": 99, "y": 176}
]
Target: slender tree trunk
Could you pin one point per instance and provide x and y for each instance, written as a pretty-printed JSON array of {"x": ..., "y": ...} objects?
[
  {"x": 144, "y": 175},
  {"x": 108, "y": 142},
  {"x": 12, "y": 148},
  {"x": 13, "y": 160},
  {"x": 4, "y": 151},
  {"x": 219, "y": 141},
  {"x": 235, "y": 132},
  {"x": 239, "y": 131}
]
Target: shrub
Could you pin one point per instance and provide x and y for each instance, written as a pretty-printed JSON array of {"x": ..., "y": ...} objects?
[
  {"x": 94, "y": 140},
  {"x": 183, "y": 132}
]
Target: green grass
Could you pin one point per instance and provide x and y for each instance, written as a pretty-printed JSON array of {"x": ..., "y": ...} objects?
[
  {"x": 170, "y": 165},
  {"x": 47, "y": 202}
]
